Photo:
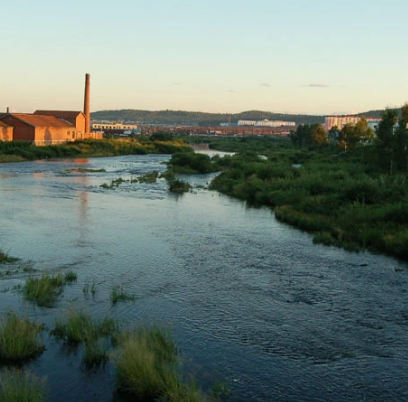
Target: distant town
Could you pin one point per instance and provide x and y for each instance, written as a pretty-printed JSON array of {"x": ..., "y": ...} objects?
[{"x": 46, "y": 127}]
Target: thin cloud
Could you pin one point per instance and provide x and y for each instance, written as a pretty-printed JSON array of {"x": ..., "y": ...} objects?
[
  {"x": 231, "y": 90},
  {"x": 317, "y": 86},
  {"x": 266, "y": 84},
  {"x": 177, "y": 82}
]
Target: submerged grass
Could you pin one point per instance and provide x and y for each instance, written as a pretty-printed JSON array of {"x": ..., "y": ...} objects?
[
  {"x": 5, "y": 258},
  {"x": 46, "y": 289},
  {"x": 96, "y": 336},
  {"x": 19, "y": 386},
  {"x": 19, "y": 338},
  {"x": 147, "y": 366},
  {"x": 118, "y": 294}
]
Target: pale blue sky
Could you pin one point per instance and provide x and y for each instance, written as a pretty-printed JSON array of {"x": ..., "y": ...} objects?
[{"x": 293, "y": 56}]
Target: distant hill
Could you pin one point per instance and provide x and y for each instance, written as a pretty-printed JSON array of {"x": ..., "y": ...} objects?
[
  {"x": 174, "y": 117},
  {"x": 197, "y": 118}
]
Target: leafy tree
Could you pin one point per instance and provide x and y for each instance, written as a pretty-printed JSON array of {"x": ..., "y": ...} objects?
[
  {"x": 385, "y": 138},
  {"x": 352, "y": 136},
  {"x": 401, "y": 140},
  {"x": 318, "y": 135}
]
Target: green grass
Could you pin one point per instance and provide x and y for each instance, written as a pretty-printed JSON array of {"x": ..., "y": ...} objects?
[
  {"x": 19, "y": 386},
  {"x": 118, "y": 294},
  {"x": 5, "y": 258},
  {"x": 70, "y": 276},
  {"x": 19, "y": 338},
  {"x": 149, "y": 177},
  {"x": 46, "y": 289},
  {"x": 147, "y": 366},
  {"x": 96, "y": 336}
]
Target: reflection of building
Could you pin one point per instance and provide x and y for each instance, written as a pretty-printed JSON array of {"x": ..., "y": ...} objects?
[
  {"x": 45, "y": 127},
  {"x": 266, "y": 123},
  {"x": 341, "y": 121}
]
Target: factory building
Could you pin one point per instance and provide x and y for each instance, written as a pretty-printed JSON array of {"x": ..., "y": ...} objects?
[{"x": 47, "y": 127}]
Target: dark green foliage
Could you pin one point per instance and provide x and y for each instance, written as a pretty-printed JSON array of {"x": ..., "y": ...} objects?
[
  {"x": 190, "y": 162},
  {"x": 179, "y": 186},
  {"x": 21, "y": 150},
  {"x": 343, "y": 199}
]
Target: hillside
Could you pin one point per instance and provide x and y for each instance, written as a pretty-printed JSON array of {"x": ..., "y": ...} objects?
[
  {"x": 197, "y": 118},
  {"x": 172, "y": 117}
]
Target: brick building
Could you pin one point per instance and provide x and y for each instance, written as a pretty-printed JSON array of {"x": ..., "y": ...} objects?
[{"x": 6, "y": 132}]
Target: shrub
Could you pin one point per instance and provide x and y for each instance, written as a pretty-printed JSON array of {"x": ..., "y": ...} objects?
[{"x": 19, "y": 338}]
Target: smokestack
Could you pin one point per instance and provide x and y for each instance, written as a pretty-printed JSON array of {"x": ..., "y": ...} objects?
[
  {"x": 87, "y": 107},
  {"x": 8, "y": 110}
]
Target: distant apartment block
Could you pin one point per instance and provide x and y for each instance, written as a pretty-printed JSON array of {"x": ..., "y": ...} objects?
[
  {"x": 341, "y": 121},
  {"x": 266, "y": 123}
]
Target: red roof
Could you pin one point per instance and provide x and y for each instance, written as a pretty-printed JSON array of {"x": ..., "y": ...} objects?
[
  {"x": 61, "y": 114},
  {"x": 42, "y": 121}
]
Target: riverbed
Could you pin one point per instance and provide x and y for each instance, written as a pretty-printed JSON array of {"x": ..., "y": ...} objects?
[{"x": 250, "y": 301}]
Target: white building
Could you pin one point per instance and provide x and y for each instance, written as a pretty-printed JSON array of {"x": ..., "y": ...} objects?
[
  {"x": 341, "y": 121},
  {"x": 266, "y": 123}
]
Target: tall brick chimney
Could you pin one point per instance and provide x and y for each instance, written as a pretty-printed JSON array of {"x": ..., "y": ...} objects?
[{"x": 87, "y": 103}]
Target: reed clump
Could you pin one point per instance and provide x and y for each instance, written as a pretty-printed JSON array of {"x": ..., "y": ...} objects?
[
  {"x": 19, "y": 338},
  {"x": 96, "y": 336},
  {"x": 147, "y": 366},
  {"x": 46, "y": 289},
  {"x": 19, "y": 386}
]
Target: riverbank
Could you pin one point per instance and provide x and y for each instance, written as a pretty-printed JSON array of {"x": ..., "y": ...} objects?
[
  {"x": 18, "y": 151},
  {"x": 342, "y": 201}
]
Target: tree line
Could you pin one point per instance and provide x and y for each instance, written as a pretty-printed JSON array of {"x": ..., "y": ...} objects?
[{"x": 388, "y": 143}]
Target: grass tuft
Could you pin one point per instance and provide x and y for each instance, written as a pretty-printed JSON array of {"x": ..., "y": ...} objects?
[
  {"x": 70, "y": 276},
  {"x": 118, "y": 294},
  {"x": 147, "y": 366},
  {"x": 44, "y": 290},
  {"x": 5, "y": 258},
  {"x": 17, "y": 386},
  {"x": 96, "y": 336},
  {"x": 19, "y": 339}
]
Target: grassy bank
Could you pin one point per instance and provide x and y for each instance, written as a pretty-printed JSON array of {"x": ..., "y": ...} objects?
[
  {"x": 341, "y": 198},
  {"x": 17, "y": 151}
]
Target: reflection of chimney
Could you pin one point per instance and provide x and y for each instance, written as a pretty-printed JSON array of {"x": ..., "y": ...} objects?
[{"x": 87, "y": 107}]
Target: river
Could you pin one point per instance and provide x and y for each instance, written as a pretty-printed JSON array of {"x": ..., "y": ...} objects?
[{"x": 251, "y": 302}]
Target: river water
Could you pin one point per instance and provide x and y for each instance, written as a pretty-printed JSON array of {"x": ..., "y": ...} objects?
[{"x": 250, "y": 301}]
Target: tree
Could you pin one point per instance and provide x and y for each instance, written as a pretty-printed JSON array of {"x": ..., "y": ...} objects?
[
  {"x": 386, "y": 139},
  {"x": 401, "y": 140},
  {"x": 358, "y": 135},
  {"x": 318, "y": 135}
]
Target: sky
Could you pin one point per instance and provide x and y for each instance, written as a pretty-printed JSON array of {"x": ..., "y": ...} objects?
[{"x": 224, "y": 56}]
